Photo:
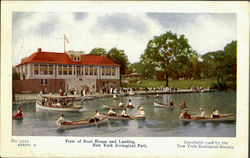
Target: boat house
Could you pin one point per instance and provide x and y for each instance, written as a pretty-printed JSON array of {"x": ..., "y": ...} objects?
[{"x": 53, "y": 71}]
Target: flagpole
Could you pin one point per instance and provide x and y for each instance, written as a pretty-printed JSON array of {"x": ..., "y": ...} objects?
[{"x": 64, "y": 42}]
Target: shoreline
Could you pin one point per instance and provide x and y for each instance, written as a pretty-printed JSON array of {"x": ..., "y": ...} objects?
[{"x": 96, "y": 95}]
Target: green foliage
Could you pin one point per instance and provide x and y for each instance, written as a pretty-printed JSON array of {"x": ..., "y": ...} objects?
[
  {"x": 222, "y": 65},
  {"x": 169, "y": 53},
  {"x": 116, "y": 55},
  {"x": 15, "y": 74},
  {"x": 119, "y": 57},
  {"x": 98, "y": 51},
  {"x": 180, "y": 84}
]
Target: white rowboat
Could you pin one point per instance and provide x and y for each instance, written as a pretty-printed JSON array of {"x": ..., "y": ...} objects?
[{"x": 160, "y": 105}]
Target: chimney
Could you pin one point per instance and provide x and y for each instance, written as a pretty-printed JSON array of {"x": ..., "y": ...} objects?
[{"x": 39, "y": 49}]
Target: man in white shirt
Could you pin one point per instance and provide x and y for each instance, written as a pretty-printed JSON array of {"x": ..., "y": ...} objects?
[
  {"x": 121, "y": 104},
  {"x": 124, "y": 113},
  {"x": 111, "y": 112}
]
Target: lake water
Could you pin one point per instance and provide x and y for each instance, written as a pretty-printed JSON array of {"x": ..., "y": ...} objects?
[{"x": 160, "y": 122}]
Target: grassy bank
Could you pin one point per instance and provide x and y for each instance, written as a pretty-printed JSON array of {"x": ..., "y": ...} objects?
[{"x": 181, "y": 84}]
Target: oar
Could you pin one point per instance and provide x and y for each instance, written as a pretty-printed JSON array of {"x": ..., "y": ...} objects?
[
  {"x": 95, "y": 122},
  {"x": 131, "y": 116}
]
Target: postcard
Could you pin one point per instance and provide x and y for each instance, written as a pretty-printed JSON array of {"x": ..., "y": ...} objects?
[{"x": 124, "y": 79}]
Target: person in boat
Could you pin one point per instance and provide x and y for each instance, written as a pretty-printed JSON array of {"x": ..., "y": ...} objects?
[
  {"x": 202, "y": 113},
  {"x": 130, "y": 104},
  {"x": 157, "y": 95},
  {"x": 19, "y": 111},
  {"x": 114, "y": 96},
  {"x": 181, "y": 114},
  {"x": 96, "y": 117},
  {"x": 215, "y": 113},
  {"x": 171, "y": 103},
  {"x": 61, "y": 120},
  {"x": 121, "y": 103},
  {"x": 183, "y": 105},
  {"x": 140, "y": 112},
  {"x": 111, "y": 112},
  {"x": 186, "y": 115},
  {"x": 124, "y": 113}
]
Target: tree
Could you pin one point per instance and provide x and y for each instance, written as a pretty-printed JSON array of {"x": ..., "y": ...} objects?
[
  {"x": 98, "y": 51},
  {"x": 167, "y": 50},
  {"x": 15, "y": 74},
  {"x": 119, "y": 57},
  {"x": 116, "y": 55},
  {"x": 221, "y": 64}
]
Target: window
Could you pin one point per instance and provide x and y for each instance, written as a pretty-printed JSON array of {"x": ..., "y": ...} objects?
[
  {"x": 95, "y": 70},
  {"x": 108, "y": 71},
  {"x": 70, "y": 70},
  {"x": 60, "y": 69},
  {"x": 36, "y": 69},
  {"x": 113, "y": 71},
  {"x": 65, "y": 69},
  {"x": 103, "y": 71},
  {"x": 43, "y": 69},
  {"x": 86, "y": 70},
  {"x": 91, "y": 70},
  {"x": 78, "y": 70},
  {"x": 50, "y": 69},
  {"x": 44, "y": 81}
]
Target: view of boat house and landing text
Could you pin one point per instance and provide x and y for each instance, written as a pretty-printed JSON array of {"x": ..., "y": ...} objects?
[{"x": 72, "y": 70}]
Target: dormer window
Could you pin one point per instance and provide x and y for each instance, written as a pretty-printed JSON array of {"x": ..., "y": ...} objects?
[{"x": 76, "y": 58}]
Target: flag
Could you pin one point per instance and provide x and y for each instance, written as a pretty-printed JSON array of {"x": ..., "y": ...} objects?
[{"x": 65, "y": 39}]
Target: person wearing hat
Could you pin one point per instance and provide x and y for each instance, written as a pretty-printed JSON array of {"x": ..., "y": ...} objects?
[
  {"x": 140, "y": 112},
  {"x": 202, "y": 113},
  {"x": 186, "y": 115}
]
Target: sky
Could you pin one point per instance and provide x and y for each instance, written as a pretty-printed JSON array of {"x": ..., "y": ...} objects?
[{"x": 127, "y": 31}]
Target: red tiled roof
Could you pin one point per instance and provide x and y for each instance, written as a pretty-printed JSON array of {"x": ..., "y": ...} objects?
[{"x": 63, "y": 58}]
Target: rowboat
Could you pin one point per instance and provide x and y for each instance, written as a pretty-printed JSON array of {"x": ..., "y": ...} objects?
[
  {"x": 47, "y": 103},
  {"x": 114, "y": 107},
  {"x": 81, "y": 123},
  {"x": 160, "y": 105},
  {"x": 131, "y": 93},
  {"x": 117, "y": 107},
  {"x": 223, "y": 117},
  {"x": 17, "y": 117},
  {"x": 116, "y": 117}
]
